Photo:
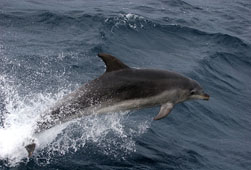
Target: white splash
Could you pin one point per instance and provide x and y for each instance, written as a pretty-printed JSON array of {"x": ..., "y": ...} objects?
[
  {"x": 19, "y": 116},
  {"x": 133, "y": 21}
]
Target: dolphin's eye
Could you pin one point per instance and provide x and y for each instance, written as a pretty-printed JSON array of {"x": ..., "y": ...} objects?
[{"x": 192, "y": 92}]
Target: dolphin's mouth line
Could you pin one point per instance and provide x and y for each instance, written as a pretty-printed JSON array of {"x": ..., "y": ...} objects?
[{"x": 205, "y": 96}]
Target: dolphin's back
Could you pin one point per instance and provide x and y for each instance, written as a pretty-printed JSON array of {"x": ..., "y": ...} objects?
[{"x": 142, "y": 82}]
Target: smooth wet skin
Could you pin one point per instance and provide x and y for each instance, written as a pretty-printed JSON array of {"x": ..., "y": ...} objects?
[{"x": 123, "y": 88}]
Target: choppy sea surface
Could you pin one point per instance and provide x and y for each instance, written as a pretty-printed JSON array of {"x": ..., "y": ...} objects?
[{"x": 49, "y": 48}]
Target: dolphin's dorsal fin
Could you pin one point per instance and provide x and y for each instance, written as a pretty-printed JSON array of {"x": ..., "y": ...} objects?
[{"x": 112, "y": 63}]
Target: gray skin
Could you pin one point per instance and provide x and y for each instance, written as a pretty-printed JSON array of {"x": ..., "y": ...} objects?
[{"x": 122, "y": 88}]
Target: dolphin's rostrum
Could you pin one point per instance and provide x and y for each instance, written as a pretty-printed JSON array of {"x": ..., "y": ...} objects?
[{"x": 122, "y": 88}]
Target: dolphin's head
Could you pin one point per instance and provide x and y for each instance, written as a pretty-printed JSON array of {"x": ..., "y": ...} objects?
[{"x": 196, "y": 92}]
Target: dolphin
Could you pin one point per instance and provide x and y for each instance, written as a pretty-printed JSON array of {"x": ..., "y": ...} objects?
[{"x": 122, "y": 88}]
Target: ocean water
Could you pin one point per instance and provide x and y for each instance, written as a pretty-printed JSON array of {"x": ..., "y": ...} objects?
[{"x": 49, "y": 48}]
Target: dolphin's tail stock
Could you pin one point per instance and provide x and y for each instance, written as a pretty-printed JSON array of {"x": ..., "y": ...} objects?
[{"x": 30, "y": 149}]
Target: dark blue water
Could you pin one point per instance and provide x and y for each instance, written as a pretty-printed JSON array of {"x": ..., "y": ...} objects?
[{"x": 49, "y": 48}]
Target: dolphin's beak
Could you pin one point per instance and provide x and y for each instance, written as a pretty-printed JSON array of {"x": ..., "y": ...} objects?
[
  {"x": 201, "y": 96},
  {"x": 204, "y": 96}
]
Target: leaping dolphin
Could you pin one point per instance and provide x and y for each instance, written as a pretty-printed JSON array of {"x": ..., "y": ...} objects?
[{"x": 122, "y": 88}]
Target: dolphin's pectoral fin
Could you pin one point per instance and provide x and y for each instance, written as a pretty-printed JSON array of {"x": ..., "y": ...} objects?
[
  {"x": 112, "y": 63},
  {"x": 30, "y": 149},
  {"x": 164, "y": 111}
]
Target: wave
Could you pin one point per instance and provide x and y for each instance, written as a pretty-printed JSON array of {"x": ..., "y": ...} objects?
[
  {"x": 225, "y": 69},
  {"x": 111, "y": 22},
  {"x": 226, "y": 78}
]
